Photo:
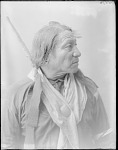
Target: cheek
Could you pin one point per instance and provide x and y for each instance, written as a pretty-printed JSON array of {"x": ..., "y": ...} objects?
[
  {"x": 57, "y": 62},
  {"x": 68, "y": 59}
]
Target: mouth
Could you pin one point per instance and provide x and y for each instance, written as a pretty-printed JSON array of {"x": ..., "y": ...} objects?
[{"x": 76, "y": 61}]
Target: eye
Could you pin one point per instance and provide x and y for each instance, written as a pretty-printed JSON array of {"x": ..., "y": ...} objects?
[{"x": 69, "y": 46}]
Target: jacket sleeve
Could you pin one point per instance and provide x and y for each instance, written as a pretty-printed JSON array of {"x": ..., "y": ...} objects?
[
  {"x": 95, "y": 115},
  {"x": 10, "y": 122},
  {"x": 101, "y": 129}
]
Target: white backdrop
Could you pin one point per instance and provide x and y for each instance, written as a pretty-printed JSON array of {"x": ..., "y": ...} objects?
[{"x": 94, "y": 20}]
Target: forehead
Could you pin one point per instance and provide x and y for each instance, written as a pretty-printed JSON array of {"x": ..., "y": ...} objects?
[{"x": 66, "y": 36}]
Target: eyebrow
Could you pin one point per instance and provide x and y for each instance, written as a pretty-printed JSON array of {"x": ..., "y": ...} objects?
[{"x": 68, "y": 42}]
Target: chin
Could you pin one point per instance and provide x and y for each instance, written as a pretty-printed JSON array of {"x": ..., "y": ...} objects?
[{"x": 74, "y": 70}]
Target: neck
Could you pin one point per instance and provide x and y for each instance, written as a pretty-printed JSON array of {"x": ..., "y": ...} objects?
[{"x": 52, "y": 75}]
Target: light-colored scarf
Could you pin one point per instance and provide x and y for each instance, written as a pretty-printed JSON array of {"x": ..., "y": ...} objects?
[{"x": 65, "y": 110}]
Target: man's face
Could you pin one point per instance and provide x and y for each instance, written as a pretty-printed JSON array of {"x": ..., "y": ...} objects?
[{"x": 65, "y": 56}]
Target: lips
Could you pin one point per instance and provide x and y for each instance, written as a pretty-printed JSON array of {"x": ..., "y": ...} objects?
[{"x": 76, "y": 61}]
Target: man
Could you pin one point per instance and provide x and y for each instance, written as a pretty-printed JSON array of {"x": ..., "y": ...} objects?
[{"x": 56, "y": 106}]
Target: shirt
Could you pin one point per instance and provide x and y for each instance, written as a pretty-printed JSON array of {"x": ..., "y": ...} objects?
[{"x": 94, "y": 120}]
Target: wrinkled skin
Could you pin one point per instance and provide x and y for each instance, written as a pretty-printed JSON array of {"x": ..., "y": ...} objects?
[{"x": 64, "y": 59}]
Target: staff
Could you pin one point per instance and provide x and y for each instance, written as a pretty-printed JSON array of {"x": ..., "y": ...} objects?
[{"x": 20, "y": 39}]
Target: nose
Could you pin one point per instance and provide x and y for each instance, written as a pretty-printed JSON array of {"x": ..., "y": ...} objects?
[{"x": 76, "y": 52}]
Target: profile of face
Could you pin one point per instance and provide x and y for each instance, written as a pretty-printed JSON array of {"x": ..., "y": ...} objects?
[{"x": 65, "y": 56}]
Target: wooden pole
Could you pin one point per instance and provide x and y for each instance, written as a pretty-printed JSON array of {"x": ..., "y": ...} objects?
[{"x": 20, "y": 39}]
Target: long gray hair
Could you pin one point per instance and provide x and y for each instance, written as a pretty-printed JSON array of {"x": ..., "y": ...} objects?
[{"x": 45, "y": 41}]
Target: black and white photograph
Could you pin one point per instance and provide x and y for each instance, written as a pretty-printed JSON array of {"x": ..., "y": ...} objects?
[{"x": 58, "y": 75}]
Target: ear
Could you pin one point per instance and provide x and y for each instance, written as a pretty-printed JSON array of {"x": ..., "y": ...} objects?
[
  {"x": 50, "y": 57},
  {"x": 47, "y": 61}
]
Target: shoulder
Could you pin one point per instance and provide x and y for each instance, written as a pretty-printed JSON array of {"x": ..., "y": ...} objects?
[
  {"x": 22, "y": 82},
  {"x": 14, "y": 88},
  {"x": 16, "y": 91}
]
